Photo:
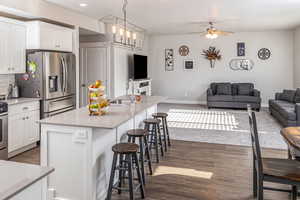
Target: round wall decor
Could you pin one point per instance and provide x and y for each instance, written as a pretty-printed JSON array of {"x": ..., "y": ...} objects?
[
  {"x": 184, "y": 50},
  {"x": 264, "y": 54}
]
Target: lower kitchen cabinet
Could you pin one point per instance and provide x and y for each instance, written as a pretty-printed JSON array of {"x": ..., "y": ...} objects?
[{"x": 23, "y": 129}]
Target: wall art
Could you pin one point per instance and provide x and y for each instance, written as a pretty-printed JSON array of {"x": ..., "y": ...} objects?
[
  {"x": 184, "y": 50},
  {"x": 212, "y": 54},
  {"x": 264, "y": 54},
  {"x": 169, "y": 59},
  {"x": 188, "y": 64},
  {"x": 241, "y": 64},
  {"x": 241, "y": 51}
]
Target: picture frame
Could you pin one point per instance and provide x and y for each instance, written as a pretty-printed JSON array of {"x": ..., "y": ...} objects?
[
  {"x": 188, "y": 64},
  {"x": 241, "y": 49},
  {"x": 169, "y": 59}
]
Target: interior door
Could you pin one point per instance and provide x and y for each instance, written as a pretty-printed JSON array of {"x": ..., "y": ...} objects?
[
  {"x": 93, "y": 66},
  {"x": 54, "y": 75}
]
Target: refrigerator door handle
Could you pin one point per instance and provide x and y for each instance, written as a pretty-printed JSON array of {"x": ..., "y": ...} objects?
[{"x": 66, "y": 76}]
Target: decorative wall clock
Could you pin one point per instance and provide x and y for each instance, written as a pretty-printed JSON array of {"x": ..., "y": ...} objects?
[
  {"x": 184, "y": 50},
  {"x": 264, "y": 54}
]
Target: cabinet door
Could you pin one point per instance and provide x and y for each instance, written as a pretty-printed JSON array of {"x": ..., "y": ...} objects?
[
  {"x": 4, "y": 38},
  {"x": 32, "y": 133},
  {"x": 17, "y": 48},
  {"x": 63, "y": 40},
  {"x": 16, "y": 131}
]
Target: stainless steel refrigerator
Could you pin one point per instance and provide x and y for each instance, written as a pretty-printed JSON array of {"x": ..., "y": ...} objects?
[{"x": 50, "y": 76}]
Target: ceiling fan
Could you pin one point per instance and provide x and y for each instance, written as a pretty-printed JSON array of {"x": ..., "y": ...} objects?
[{"x": 212, "y": 32}]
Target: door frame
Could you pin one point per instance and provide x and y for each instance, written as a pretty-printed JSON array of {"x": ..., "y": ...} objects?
[{"x": 108, "y": 64}]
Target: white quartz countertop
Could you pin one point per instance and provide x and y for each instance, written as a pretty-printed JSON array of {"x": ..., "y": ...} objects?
[
  {"x": 20, "y": 100},
  {"x": 116, "y": 115},
  {"x": 15, "y": 177}
]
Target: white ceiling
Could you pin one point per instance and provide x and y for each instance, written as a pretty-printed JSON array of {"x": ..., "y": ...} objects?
[{"x": 184, "y": 16}]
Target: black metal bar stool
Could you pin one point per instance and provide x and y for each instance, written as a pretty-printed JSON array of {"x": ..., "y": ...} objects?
[
  {"x": 165, "y": 128},
  {"x": 142, "y": 136},
  {"x": 127, "y": 153},
  {"x": 153, "y": 128}
]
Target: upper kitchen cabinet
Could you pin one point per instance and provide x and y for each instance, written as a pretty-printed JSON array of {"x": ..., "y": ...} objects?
[
  {"x": 12, "y": 46},
  {"x": 45, "y": 36}
]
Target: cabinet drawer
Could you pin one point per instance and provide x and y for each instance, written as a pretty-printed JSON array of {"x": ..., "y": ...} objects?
[{"x": 23, "y": 107}]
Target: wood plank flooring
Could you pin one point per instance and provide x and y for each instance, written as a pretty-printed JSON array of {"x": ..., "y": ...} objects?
[{"x": 198, "y": 171}]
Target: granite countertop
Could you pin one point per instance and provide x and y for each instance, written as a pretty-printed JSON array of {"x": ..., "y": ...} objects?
[
  {"x": 15, "y": 177},
  {"x": 116, "y": 115},
  {"x": 20, "y": 100}
]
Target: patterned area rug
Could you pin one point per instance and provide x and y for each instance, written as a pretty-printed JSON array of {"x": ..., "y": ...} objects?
[{"x": 221, "y": 126}]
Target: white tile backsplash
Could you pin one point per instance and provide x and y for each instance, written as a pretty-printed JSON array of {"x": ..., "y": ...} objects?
[{"x": 5, "y": 80}]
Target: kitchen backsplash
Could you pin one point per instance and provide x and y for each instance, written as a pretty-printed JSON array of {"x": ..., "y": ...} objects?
[{"x": 5, "y": 80}]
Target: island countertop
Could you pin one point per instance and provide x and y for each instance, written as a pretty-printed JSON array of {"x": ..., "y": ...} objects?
[
  {"x": 116, "y": 115},
  {"x": 15, "y": 177}
]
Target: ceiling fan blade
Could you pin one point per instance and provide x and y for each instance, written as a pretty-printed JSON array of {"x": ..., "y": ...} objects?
[
  {"x": 219, "y": 32},
  {"x": 200, "y": 32}
]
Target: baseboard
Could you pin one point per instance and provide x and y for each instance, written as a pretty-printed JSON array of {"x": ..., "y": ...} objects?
[
  {"x": 21, "y": 150},
  {"x": 176, "y": 101}
]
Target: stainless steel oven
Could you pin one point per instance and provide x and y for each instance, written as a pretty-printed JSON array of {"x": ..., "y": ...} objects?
[{"x": 3, "y": 131}]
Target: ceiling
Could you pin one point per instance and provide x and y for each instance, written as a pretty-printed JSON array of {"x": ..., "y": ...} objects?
[{"x": 186, "y": 16}]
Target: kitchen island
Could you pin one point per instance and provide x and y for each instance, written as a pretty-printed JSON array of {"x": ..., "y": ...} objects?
[{"x": 78, "y": 146}]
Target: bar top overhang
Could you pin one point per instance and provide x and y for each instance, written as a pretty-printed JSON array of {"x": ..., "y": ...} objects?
[{"x": 117, "y": 114}]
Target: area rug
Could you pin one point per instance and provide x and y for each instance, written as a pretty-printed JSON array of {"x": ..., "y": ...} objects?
[{"x": 192, "y": 123}]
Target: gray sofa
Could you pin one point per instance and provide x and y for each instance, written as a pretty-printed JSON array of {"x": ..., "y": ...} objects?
[
  {"x": 233, "y": 95},
  {"x": 286, "y": 107}
]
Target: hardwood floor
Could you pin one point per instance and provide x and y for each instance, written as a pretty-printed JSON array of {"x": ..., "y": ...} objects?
[
  {"x": 198, "y": 171},
  {"x": 30, "y": 157}
]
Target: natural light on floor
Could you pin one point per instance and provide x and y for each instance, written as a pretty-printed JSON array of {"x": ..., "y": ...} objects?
[
  {"x": 202, "y": 119},
  {"x": 165, "y": 170}
]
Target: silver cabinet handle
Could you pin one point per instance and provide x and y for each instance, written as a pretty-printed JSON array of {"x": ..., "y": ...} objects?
[
  {"x": 23, "y": 118},
  {"x": 27, "y": 117}
]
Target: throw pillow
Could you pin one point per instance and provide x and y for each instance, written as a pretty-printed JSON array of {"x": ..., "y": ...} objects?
[
  {"x": 245, "y": 89},
  {"x": 224, "y": 89},
  {"x": 288, "y": 95},
  {"x": 297, "y": 96}
]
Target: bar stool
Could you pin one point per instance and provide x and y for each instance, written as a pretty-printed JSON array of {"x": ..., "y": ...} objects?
[
  {"x": 142, "y": 136},
  {"x": 129, "y": 151},
  {"x": 152, "y": 127},
  {"x": 165, "y": 128}
]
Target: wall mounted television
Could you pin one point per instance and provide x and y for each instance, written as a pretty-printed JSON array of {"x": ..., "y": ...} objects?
[{"x": 140, "y": 67}]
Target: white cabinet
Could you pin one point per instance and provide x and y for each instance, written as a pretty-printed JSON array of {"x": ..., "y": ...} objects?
[
  {"x": 23, "y": 129},
  {"x": 42, "y": 35},
  {"x": 12, "y": 46}
]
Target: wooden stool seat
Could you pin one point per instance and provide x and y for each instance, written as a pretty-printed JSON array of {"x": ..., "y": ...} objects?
[
  {"x": 281, "y": 168},
  {"x": 125, "y": 148},
  {"x": 159, "y": 114},
  {"x": 137, "y": 132},
  {"x": 152, "y": 121}
]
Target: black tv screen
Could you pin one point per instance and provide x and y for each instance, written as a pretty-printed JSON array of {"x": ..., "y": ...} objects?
[{"x": 140, "y": 65}]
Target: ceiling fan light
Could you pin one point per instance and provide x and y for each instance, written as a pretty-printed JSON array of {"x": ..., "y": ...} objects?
[{"x": 211, "y": 35}]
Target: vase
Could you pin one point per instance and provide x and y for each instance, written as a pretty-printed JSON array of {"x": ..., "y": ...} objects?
[{"x": 212, "y": 63}]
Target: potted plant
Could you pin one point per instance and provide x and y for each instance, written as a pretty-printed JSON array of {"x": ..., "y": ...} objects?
[{"x": 212, "y": 55}]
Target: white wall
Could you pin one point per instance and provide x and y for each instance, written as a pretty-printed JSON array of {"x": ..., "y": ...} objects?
[
  {"x": 297, "y": 58},
  {"x": 268, "y": 76}
]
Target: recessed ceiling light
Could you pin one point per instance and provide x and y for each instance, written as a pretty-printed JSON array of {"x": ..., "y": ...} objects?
[{"x": 83, "y": 5}]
